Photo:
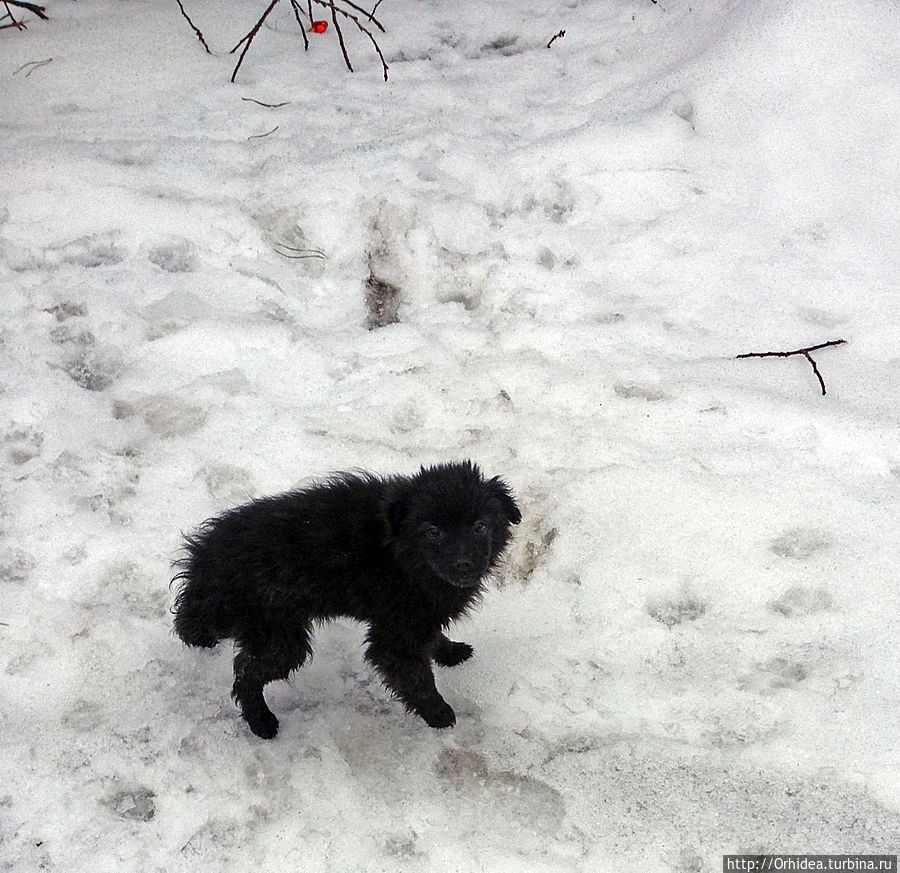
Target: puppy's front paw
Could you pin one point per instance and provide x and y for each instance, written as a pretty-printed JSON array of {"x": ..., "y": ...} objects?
[
  {"x": 449, "y": 654},
  {"x": 441, "y": 715}
]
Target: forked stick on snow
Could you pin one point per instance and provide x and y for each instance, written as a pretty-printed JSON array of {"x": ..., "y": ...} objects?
[
  {"x": 806, "y": 354},
  {"x": 248, "y": 38},
  {"x": 555, "y": 37},
  {"x": 21, "y": 4}
]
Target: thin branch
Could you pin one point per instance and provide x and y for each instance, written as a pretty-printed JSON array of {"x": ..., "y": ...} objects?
[
  {"x": 346, "y": 10},
  {"x": 340, "y": 34},
  {"x": 267, "y": 105},
  {"x": 21, "y": 4},
  {"x": 299, "y": 254},
  {"x": 295, "y": 6},
  {"x": 12, "y": 21},
  {"x": 31, "y": 7},
  {"x": 805, "y": 352},
  {"x": 32, "y": 66},
  {"x": 384, "y": 65},
  {"x": 815, "y": 369},
  {"x": 555, "y": 37},
  {"x": 249, "y": 38},
  {"x": 194, "y": 27},
  {"x": 359, "y": 24},
  {"x": 352, "y": 5},
  {"x": 261, "y": 135}
]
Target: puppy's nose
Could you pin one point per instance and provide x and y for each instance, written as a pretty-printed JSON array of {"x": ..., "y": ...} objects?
[{"x": 464, "y": 565}]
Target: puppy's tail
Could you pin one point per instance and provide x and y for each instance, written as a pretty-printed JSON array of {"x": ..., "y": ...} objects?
[{"x": 196, "y": 608}]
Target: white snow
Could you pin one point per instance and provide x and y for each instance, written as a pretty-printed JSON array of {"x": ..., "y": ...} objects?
[{"x": 691, "y": 649}]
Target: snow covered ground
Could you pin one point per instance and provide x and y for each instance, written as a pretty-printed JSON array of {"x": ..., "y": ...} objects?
[{"x": 692, "y": 647}]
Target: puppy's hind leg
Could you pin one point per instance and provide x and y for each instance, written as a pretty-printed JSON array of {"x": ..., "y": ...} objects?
[
  {"x": 196, "y": 613},
  {"x": 256, "y": 666},
  {"x": 448, "y": 653}
]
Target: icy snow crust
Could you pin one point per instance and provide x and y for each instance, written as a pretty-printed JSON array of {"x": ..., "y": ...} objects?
[{"x": 691, "y": 649}]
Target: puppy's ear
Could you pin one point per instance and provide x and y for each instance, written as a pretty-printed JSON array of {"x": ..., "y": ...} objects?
[{"x": 500, "y": 490}]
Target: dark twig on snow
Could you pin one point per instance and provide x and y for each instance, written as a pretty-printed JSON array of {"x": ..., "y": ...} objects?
[
  {"x": 352, "y": 5},
  {"x": 804, "y": 352},
  {"x": 340, "y": 34},
  {"x": 339, "y": 10},
  {"x": 555, "y": 37},
  {"x": 296, "y": 7},
  {"x": 261, "y": 135},
  {"x": 31, "y": 66},
  {"x": 194, "y": 27},
  {"x": 31, "y": 7},
  {"x": 248, "y": 39},
  {"x": 267, "y": 105},
  {"x": 298, "y": 254},
  {"x": 20, "y": 4}
]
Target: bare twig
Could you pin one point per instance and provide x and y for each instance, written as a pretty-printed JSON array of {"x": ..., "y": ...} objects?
[
  {"x": 339, "y": 10},
  {"x": 32, "y": 66},
  {"x": 194, "y": 27},
  {"x": 13, "y": 21},
  {"x": 261, "y": 135},
  {"x": 31, "y": 7},
  {"x": 267, "y": 105},
  {"x": 20, "y": 4},
  {"x": 249, "y": 37},
  {"x": 340, "y": 34},
  {"x": 299, "y": 254},
  {"x": 352, "y": 5},
  {"x": 296, "y": 7},
  {"x": 555, "y": 37},
  {"x": 336, "y": 10},
  {"x": 804, "y": 352}
]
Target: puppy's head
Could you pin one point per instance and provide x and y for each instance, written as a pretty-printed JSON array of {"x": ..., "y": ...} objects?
[{"x": 450, "y": 521}]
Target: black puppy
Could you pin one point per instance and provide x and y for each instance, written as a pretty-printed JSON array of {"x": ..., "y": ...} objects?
[{"x": 406, "y": 555}]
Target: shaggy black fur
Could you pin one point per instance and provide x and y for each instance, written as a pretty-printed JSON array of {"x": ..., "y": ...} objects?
[{"x": 405, "y": 554}]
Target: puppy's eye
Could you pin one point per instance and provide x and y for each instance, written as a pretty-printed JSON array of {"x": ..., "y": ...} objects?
[
  {"x": 480, "y": 527},
  {"x": 433, "y": 533}
]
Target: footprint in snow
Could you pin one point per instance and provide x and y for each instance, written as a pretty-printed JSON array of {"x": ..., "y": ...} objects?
[
  {"x": 799, "y": 543},
  {"x": 23, "y": 442},
  {"x": 676, "y": 610},
  {"x": 776, "y": 674},
  {"x": 801, "y": 600},
  {"x": 514, "y": 796},
  {"x": 640, "y": 391},
  {"x": 174, "y": 256}
]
